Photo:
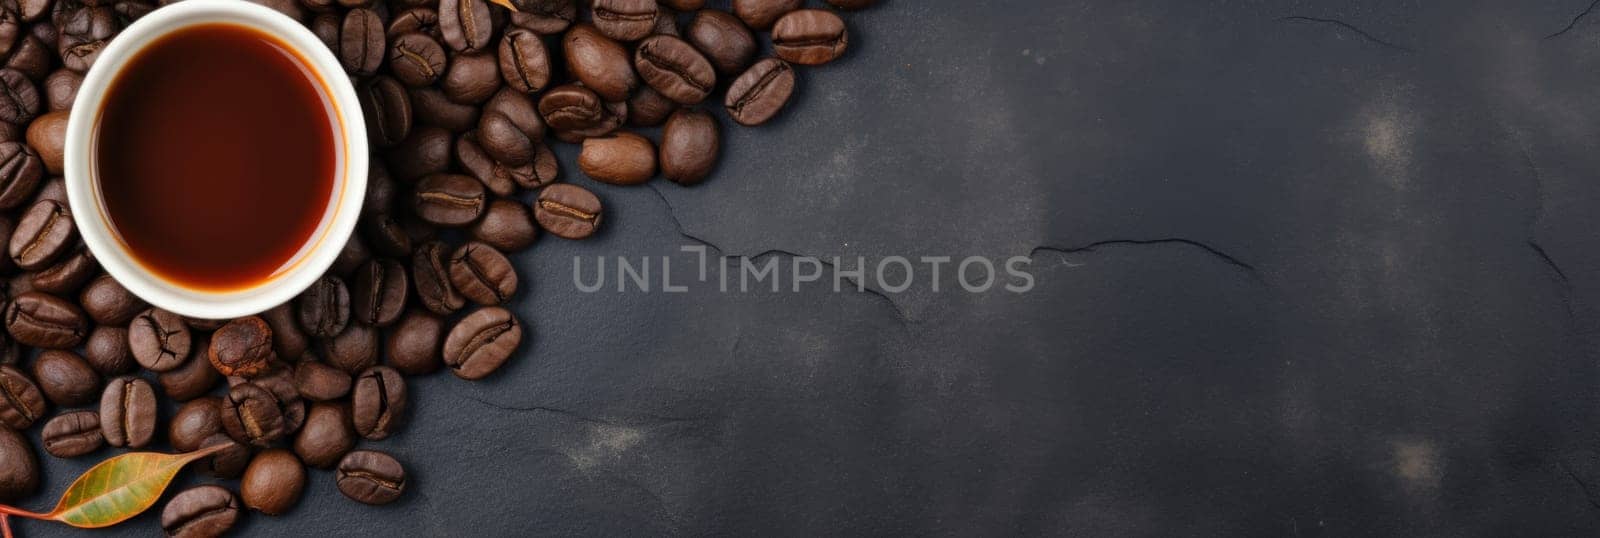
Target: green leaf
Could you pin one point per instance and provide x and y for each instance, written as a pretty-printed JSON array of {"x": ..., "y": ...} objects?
[{"x": 120, "y": 488}]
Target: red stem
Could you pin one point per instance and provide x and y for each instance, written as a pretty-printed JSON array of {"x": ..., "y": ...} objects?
[
  {"x": 5, "y": 526},
  {"x": 14, "y": 511}
]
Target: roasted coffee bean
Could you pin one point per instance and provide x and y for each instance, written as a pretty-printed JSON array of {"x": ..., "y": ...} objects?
[
  {"x": 83, "y": 33},
  {"x": 128, "y": 410},
  {"x": 726, "y": 42},
  {"x": 288, "y": 341},
  {"x": 568, "y": 211},
  {"x": 200, "y": 512},
  {"x": 431, "y": 107},
  {"x": 622, "y": 158},
  {"x": 494, "y": 176},
  {"x": 523, "y": 60},
  {"x": 422, "y": 20},
  {"x": 294, "y": 417},
  {"x": 761, "y": 92},
  {"x": 426, "y": 151},
  {"x": 72, "y": 434},
  {"x": 761, "y": 14},
  {"x": 194, "y": 423},
  {"x": 33, "y": 58},
  {"x": 33, "y": 11},
  {"x": 353, "y": 350},
  {"x": 481, "y": 342},
  {"x": 21, "y": 401},
  {"x": 387, "y": 109},
  {"x": 19, "y": 100},
  {"x": 65, "y": 378},
  {"x": 625, "y": 20},
  {"x": 449, "y": 199},
  {"x": 45, "y": 30},
  {"x": 371, "y": 477},
  {"x": 573, "y": 108},
  {"x": 648, "y": 108},
  {"x": 319, "y": 382},
  {"x": 381, "y": 189},
  {"x": 195, "y": 378},
  {"x": 53, "y": 189},
  {"x": 67, "y": 275},
  {"x": 108, "y": 303},
  {"x": 810, "y": 37},
  {"x": 47, "y": 135},
  {"x": 273, "y": 482},
  {"x": 465, "y": 24},
  {"x": 279, "y": 381},
  {"x": 522, "y": 110},
  {"x": 61, "y": 88},
  {"x": 326, "y": 27},
  {"x": 503, "y": 141},
  {"x": 482, "y": 274},
  {"x": 107, "y": 351},
  {"x": 378, "y": 402},
  {"x": 412, "y": 345},
  {"x": 673, "y": 67},
  {"x": 545, "y": 17},
  {"x": 430, "y": 271},
  {"x": 378, "y": 293},
  {"x": 43, "y": 234},
  {"x": 601, "y": 64},
  {"x": 19, "y": 467},
  {"x": 689, "y": 147},
  {"x": 471, "y": 78},
  {"x": 354, "y": 253},
  {"x": 417, "y": 60},
  {"x": 251, "y": 415},
  {"x": 507, "y": 226},
  {"x": 159, "y": 339},
  {"x": 243, "y": 347},
  {"x": 851, "y": 4},
  {"x": 42, "y": 320},
  {"x": 21, "y": 170},
  {"x": 361, "y": 42},
  {"x": 324, "y": 308},
  {"x": 327, "y": 435},
  {"x": 228, "y": 462},
  {"x": 387, "y": 235}
]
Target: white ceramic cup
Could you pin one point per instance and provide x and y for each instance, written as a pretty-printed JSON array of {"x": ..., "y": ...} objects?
[{"x": 84, "y": 196}]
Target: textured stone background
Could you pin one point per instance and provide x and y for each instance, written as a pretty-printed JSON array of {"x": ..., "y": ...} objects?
[{"x": 1303, "y": 268}]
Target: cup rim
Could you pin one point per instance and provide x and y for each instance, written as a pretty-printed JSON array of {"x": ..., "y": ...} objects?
[{"x": 88, "y": 211}]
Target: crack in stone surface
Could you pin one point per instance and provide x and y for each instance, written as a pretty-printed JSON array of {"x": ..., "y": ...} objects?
[
  {"x": 1349, "y": 27},
  {"x": 1575, "y": 20},
  {"x": 1217, "y": 253},
  {"x": 1588, "y": 491}
]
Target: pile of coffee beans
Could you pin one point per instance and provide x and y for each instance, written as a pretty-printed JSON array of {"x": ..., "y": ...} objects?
[{"x": 462, "y": 100}]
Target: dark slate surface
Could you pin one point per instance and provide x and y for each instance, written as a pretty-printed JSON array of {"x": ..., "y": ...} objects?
[{"x": 1302, "y": 268}]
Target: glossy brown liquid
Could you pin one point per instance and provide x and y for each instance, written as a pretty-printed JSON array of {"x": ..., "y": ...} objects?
[{"x": 215, "y": 154}]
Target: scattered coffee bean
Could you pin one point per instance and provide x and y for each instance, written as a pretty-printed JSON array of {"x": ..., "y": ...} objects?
[
  {"x": 545, "y": 17},
  {"x": 761, "y": 92},
  {"x": 371, "y": 477},
  {"x": 319, "y": 382},
  {"x": 622, "y": 158},
  {"x": 21, "y": 171},
  {"x": 353, "y": 350},
  {"x": 524, "y": 63},
  {"x": 361, "y": 45},
  {"x": 416, "y": 59},
  {"x": 465, "y": 24},
  {"x": 65, "y": 378},
  {"x": 251, "y": 415},
  {"x": 648, "y": 108},
  {"x": 675, "y": 69},
  {"x": 42, "y": 320},
  {"x": 449, "y": 199},
  {"x": 481, "y": 342},
  {"x": 378, "y": 293},
  {"x": 471, "y": 78},
  {"x": 378, "y": 402},
  {"x": 387, "y": 110},
  {"x": 243, "y": 347},
  {"x": 47, "y": 135},
  {"x": 128, "y": 410},
  {"x": 603, "y": 65},
  {"x": 503, "y": 141},
  {"x": 324, "y": 308},
  {"x": 412, "y": 346},
  {"x": 568, "y": 211},
  {"x": 19, "y": 467},
  {"x": 426, "y": 151},
  {"x": 200, "y": 512},
  {"x": 760, "y": 14},
  {"x": 108, "y": 303},
  {"x": 327, "y": 435},
  {"x": 625, "y": 20},
  {"x": 273, "y": 482},
  {"x": 67, "y": 275},
  {"x": 507, "y": 226},
  {"x": 430, "y": 271},
  {"x": 107, "y": 351},
  {"x": 689, "y": 147},
  {"x": 44, "y": 233},
  {"x": 422, "y": 20},
  {"x": 194, "y": 423},
  {"x": 159, "y": 339},
  {"x": 72, "y": 434},
  {"x": 195, "y": 378},
  {"x": 724, "y": 39},
  {"x": 21, "y": 401},
  {"x": 288, "y": 341},
  {"x": 810, "y": 37},
  {"x": 431, "y": 107},
  {"x": 482, "y": 274},
  {"x": 61, "y": 88}
]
